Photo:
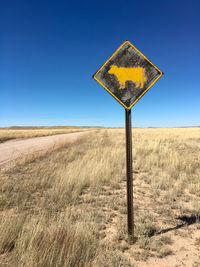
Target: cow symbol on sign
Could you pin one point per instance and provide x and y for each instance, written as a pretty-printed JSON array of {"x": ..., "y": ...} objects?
[{"x": 136, "y": 75}]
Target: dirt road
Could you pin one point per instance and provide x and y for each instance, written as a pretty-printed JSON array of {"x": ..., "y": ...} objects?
[{"x": 13, "y": 150}]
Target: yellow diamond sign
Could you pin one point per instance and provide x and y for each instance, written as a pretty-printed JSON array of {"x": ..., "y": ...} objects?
[{"x": 127, "y": 75}]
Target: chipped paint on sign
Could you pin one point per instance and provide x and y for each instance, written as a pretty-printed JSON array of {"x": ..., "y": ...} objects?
[{"x": 127, "y": 75}]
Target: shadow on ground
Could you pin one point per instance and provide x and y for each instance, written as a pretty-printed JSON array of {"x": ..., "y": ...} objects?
[{"x": 187, "y": 220}]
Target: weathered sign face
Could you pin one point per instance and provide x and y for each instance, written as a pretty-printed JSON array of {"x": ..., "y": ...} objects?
[{"x": 127, "y": 75}]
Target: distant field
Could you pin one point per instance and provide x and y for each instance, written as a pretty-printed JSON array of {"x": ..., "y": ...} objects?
[
  {"x": 8, "y": 133},
  {"x": 68, "y": 207}
]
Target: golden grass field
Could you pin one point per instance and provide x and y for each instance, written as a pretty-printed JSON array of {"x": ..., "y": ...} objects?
[
  {"x": 8, "y": 133},
  {"x": 68, "y": 207}
]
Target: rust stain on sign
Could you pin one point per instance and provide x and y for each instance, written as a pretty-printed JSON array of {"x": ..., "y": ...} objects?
[{"x": 127, "y": 75}]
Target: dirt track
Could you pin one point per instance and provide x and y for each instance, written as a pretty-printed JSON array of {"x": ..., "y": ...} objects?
[{"x": 12, "y": 150}]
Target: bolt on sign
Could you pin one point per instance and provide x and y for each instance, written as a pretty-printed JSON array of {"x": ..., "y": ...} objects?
[{"x": 127, "y": 75}]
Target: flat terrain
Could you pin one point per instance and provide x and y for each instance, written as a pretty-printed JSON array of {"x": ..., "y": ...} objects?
[
  {"x": 12, "y": 150},
  {"x": 9, "y": 133},
  {"x": 67, "y": 207}
]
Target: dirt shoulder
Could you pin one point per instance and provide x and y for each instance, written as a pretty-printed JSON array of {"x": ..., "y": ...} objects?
[{"x": 13, "y": 150}]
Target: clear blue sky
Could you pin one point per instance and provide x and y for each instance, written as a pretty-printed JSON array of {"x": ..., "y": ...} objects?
[{"x": 50, "y": 49}]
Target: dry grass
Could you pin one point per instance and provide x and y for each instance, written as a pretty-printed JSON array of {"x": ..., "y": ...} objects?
[
  {"x": 68, "y": 207},
  {"x": 9, "y": 133}
]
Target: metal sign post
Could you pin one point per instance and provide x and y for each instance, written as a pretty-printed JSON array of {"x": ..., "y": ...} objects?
[
  {"x": 129, "y": 173},
  {"x": 127, "y": 75}
]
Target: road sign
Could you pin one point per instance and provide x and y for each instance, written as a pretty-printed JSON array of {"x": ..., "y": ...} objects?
[{"x": 127, "y": 75}]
